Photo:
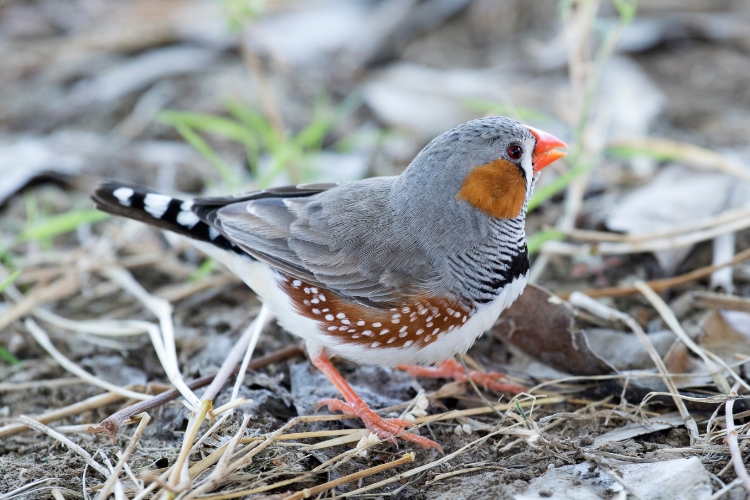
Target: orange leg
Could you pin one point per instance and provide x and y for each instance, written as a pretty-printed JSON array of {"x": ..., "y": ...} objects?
[
  {"x": 356, "y": 407},
  {"x": 450, "y": 368}
]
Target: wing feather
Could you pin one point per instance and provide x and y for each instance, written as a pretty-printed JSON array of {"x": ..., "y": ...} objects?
[{"x": 326, "y": 235}]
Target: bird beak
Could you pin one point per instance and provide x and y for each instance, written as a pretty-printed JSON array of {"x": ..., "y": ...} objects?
[{"x": 545, "y": 151}]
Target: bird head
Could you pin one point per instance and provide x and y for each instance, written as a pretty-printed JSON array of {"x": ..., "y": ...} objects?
[{"x": 490, "y": 163}]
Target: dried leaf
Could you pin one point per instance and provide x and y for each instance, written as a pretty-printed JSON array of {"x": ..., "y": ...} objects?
[{"x": 544, "y": 326}]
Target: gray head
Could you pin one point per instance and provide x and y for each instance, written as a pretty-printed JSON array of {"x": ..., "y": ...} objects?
[{"x": 487, "y": 165}]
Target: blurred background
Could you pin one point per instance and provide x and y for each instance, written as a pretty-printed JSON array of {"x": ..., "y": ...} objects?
[{"x": 218, "y": 96}]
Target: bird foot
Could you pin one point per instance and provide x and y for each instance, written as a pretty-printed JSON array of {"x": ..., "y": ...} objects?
[
  {"x": 384, "y": 428},
  {"x": 450, "y": 368}
]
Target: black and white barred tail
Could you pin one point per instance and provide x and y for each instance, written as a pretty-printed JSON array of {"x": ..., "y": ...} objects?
[{"x": 183, "y": 217}]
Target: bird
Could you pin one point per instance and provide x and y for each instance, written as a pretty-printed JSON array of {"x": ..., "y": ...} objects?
[{"x": 401, "y": 271}]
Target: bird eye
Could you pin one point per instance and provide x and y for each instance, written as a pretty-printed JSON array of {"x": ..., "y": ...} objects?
[{"x": 514, "y": 151}]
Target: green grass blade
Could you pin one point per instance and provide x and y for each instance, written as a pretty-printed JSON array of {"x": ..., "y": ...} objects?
[
  {"x": 8, "y": 357},
  {"x": 61, "y": 224},
  {"x": 218, "y": 125},
  {"x": 10, "y": 279},
  {"x": 195, "y": 140},
  {"x": 5, "y": 355},
  {"x": 535, "y": 241},
  {"x": 544, "y": 193},
  {"x": 206, "y": 268}
]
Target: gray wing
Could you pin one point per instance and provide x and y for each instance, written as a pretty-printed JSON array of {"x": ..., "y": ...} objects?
[{"x": 344, "y": 238}]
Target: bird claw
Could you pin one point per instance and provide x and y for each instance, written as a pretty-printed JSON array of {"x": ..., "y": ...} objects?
[
  {"x": 450, "y": 368},
  {"x": 385, "y": 428}
]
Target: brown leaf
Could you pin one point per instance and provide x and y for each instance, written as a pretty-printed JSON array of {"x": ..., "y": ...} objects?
[{"x": 544, "y": 326}]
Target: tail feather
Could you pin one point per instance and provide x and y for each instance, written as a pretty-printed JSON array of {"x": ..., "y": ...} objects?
[{"x": 172, "y": 214}]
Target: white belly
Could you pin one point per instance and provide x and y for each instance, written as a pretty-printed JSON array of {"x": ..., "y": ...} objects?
[{"x": 265, "y": 283}]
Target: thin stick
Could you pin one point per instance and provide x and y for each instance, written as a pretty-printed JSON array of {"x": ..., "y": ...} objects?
[
  {"x": 112, "y": 424},
  {"x": 423, "y": 468},
  {"x": 599, "y": 309},
  {"x": 733, "y": 442},
  {"x": 264, "y": 317},
  {"x": 187, "y": 442},
  {"x": 711, "y": 300},
  {"x": 696, "y": 156},
  {"x": 664, "y": 284},
  {"x": 720, "y": 493},
  {"x": 219, "y": 472},
  {"x": 64, "y": 287},
  {"x": 67, "y": 442},
  {"x": 25, "y": 488},
  {"x": 74, "y": 409},
  {"x": 164, "y": 345},
  {"x": 44, "y": 341},
  {"x": 671, "y": 320},
  {"x": 246, "y": 342},
  {"x": 669, "y": 243},
  {"x": 309, "y": 492},
  {"x": 104, "y": 492},
  {"x": 599, "y": 236},
  {"x": 476, "y": 389},
  {"x": 36, "y": 384}
]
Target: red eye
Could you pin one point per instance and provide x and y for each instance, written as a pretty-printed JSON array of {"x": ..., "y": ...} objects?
[{"x": 514, "y": 151}]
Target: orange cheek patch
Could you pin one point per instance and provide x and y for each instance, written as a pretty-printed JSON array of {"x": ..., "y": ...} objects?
[
  {"x": 496, "y": 188},
  {"x": 418, "y": 322}
]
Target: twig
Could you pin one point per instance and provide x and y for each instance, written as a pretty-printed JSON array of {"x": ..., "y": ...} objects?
[
  {"x": 63, "y": 287},
  {"x": 187, "y": 442},
  {"x": 733, "y": 442},
  {"x": 309, "y": 492},
  {"x": 264, "y": 317},
  {"x": 671, "y": 320},
  {"x": 74, "y": 409},
  {"x": 691, "y": 154},
  {"x": 43, "y": 340},
  {"x": 25, "y": 488},
  {"x": 667, "y": 243},
  {"x": 720, "y": 493},
  {"x": 664, "y": 284},
  {"x": 600, "y": 236},
  {"x": 476, "y": 389},
  {"x": 245, "y": 344},
  {"x": 423, "y": 468},
  {"x": 55, "y": 382},
  {"x": 67, "y": 442},
  {"x": 164, "y": 344},
  {"x": 112, "y": 424},
  {"x": 580, "y": 300},
  {"x": 104, "y": 492},
  {"x": 711, "y": 300},
  {"x": 218, "y": 474}
]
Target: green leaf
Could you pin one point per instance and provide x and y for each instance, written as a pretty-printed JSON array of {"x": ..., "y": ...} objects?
[{"x": 61, "y": 224}]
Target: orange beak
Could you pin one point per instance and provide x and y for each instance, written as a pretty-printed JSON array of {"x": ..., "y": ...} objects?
[{"x": 545, "y": 151}]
